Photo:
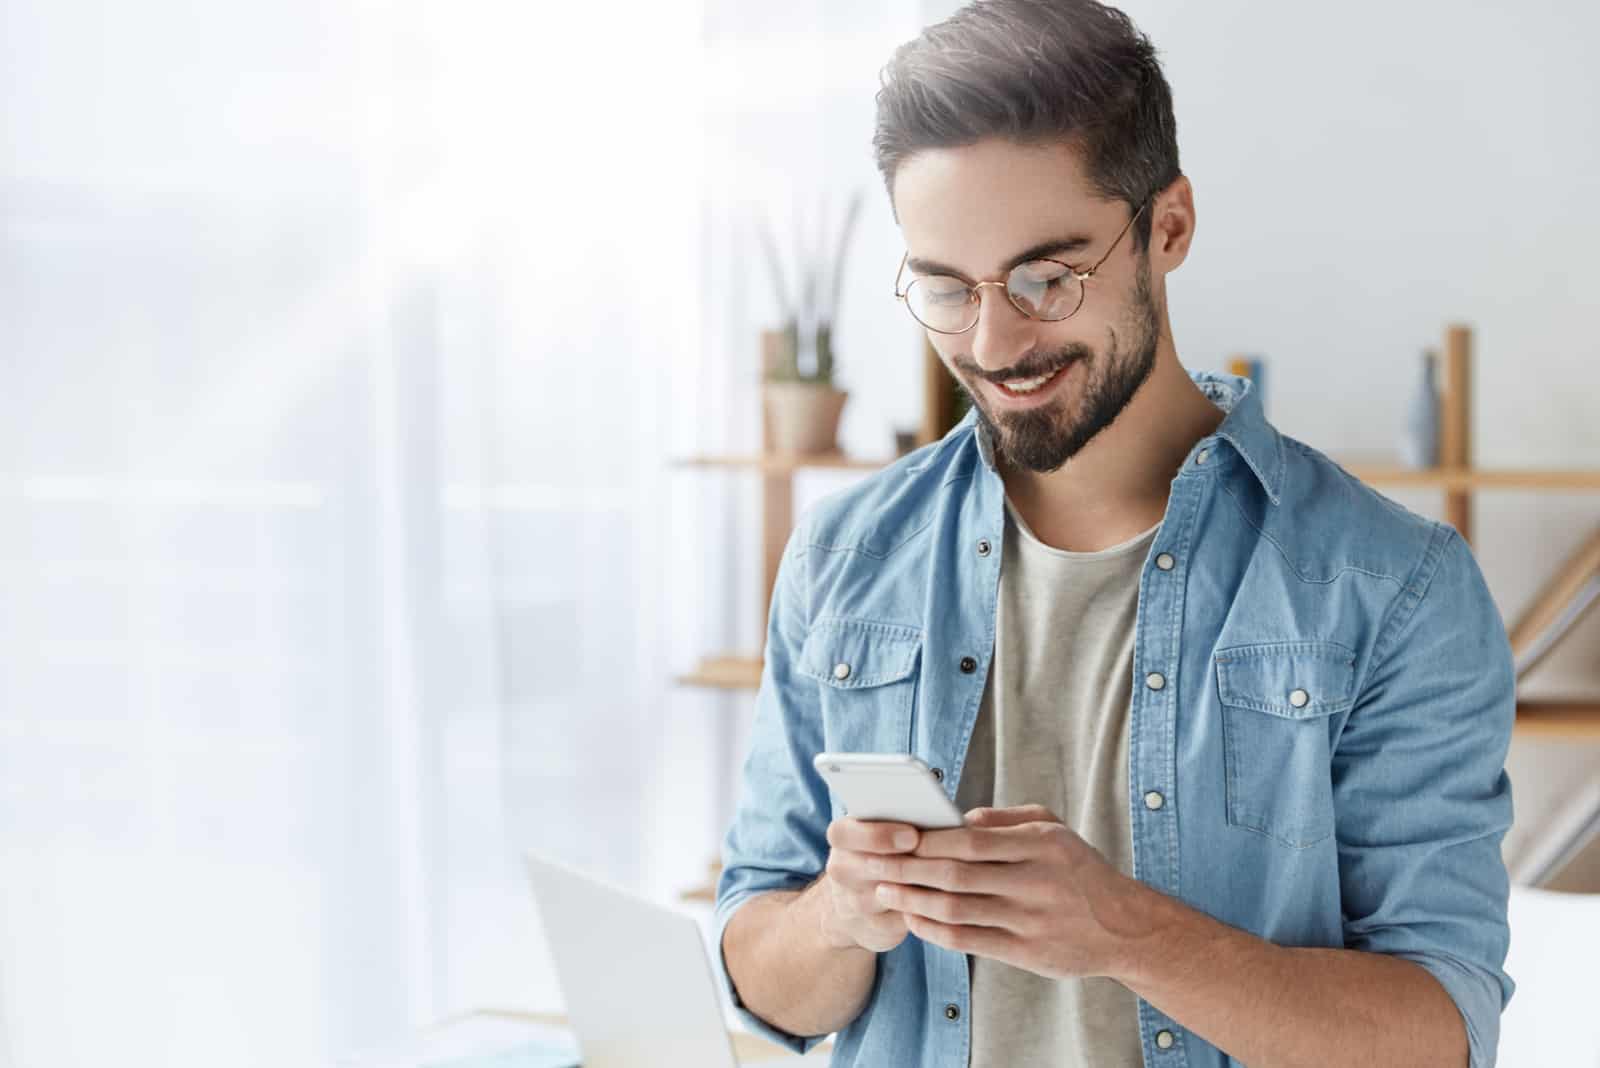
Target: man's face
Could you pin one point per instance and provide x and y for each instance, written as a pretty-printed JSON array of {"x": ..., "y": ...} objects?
[{"x": 972, "y": 211}]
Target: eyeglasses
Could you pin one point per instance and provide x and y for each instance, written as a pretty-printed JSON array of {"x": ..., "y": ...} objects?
[{"x": 1043, "y": 289}]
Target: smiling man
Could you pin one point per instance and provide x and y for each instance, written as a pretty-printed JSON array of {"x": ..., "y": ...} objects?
[{"x": 1228, "y": 727}]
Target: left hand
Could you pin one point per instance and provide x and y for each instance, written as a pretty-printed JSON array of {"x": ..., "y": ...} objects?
[{"x": 1015, "y": 885}]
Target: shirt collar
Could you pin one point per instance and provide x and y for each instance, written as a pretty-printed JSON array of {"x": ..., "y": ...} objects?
[{"x": 1244, "y": 426}]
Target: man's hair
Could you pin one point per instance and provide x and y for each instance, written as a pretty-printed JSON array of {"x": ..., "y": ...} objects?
[{"x": 1035, "y": 72}]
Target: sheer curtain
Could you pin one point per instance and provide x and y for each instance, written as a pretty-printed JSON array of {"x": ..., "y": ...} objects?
[
  {"x": 345, "y": 349},
  {"x": 333, "y": 506}
]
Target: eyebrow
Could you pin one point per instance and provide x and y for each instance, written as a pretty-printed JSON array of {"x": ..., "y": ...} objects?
[{"x": 1043, "y": 250}]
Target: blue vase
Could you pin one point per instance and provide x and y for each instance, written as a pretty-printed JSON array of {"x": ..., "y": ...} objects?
[{"x": 1419, "y": 446}]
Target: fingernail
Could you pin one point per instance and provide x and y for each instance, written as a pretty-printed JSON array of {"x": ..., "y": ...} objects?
[{"x": 905, "y": 839}]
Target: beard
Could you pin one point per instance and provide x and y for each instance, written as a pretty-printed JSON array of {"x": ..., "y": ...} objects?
[{"x": 1043, "y": 439}]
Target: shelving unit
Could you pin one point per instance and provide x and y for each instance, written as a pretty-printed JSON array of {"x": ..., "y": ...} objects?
[
  {"x": 1455, "y": 477},
  {"x": 741, "y": 669}
]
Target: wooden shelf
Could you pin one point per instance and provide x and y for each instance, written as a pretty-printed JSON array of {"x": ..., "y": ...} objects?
[
  {"x": 1460, "y": 479},
  {"x": 706, "y": 894},
  {"x": 780, "y": 463},
  {"x": 725, "y": 673},
  {"x": 1559, "y": 719}
]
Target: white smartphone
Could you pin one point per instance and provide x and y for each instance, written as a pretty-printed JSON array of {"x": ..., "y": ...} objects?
[{"x": 897, "y": 787}]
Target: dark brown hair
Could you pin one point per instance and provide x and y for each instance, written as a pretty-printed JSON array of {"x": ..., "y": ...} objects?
[{"x": 1035, "y": 71}]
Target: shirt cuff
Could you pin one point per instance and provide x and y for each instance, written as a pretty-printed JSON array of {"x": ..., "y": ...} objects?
[{"x": 1477, "y": 997}]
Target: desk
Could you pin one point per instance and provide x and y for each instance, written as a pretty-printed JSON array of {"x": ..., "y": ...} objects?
[
  {"x": 489, "y": 1033},
  {"x": 750, "y": 1049}
]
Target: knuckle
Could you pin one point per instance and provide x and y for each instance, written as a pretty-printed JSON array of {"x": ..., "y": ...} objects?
[{"x": 844, "y": 869}]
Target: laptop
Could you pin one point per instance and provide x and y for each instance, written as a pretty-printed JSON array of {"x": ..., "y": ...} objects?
[{"x": 638, "y": 986}]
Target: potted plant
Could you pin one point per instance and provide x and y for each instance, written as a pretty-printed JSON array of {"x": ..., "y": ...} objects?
[{"x": 801, "y": 404}]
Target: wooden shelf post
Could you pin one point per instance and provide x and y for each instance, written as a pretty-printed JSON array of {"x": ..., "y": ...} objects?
[{"x": 1455, "y": 424}]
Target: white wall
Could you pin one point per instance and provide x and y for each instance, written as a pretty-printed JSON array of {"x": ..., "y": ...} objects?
[{"x": 1365, "y": 173}]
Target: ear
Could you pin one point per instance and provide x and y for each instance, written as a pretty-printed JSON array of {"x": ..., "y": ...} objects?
[{"x": 1171, "y": 225}]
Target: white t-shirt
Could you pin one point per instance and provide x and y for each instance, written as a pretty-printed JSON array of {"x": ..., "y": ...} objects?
[{"x": 1053, "y": 730}]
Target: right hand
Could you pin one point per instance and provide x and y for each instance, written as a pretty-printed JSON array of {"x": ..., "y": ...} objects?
[{"x": 852, "y": 914}]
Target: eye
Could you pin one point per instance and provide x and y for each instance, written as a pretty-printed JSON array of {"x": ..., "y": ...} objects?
[
  {"x": 942, "y": 290},
  {"x": 1039, "y": 273}
]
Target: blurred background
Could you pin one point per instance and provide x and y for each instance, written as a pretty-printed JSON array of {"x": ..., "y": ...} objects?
[{"x": 352, "y": 356}]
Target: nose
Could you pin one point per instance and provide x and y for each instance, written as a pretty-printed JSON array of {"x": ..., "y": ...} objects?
[{"x": 1003, "y": 334}]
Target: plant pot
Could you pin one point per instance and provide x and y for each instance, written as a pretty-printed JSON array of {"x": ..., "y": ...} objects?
[{"x": 803, "y": 417}]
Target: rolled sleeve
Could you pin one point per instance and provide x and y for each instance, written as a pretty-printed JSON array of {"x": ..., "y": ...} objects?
[
  {"x": 778, "y": 838},
  {"x": 1421, "y": 793}
]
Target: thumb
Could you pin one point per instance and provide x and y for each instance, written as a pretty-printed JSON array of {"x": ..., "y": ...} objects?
[{"x": 1009, "y": 816}]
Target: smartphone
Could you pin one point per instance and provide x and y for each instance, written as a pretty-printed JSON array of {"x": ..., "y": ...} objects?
[{"x": 888, "y": 786}]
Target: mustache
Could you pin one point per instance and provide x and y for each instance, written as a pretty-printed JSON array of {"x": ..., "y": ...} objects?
[{"x": 1034, "y": 369}]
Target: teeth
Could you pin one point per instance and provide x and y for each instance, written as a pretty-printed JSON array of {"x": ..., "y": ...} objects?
[{"x": 1028, "y": 385}]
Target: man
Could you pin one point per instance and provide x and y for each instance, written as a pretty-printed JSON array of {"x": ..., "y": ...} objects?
[{"x": 1228, "y": 727}]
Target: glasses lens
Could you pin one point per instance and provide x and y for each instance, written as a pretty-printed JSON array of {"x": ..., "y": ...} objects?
[
  {"x": 1045, "y": 289},
  {"x": 942, "y": 303}
]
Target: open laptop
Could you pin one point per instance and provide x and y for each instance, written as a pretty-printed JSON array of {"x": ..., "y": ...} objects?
[{"x": 638, "y": 986}]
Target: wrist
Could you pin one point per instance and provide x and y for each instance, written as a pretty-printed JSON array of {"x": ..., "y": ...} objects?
[{"x": 1133, "y": 919}]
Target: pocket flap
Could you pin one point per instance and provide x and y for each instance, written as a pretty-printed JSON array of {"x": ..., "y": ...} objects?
[
  {"x": 852, "y": 654},
  {"x": 1295, "y": 680}
]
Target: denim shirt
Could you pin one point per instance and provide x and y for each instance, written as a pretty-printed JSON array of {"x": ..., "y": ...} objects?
[{"x": 1322, "y": 701}]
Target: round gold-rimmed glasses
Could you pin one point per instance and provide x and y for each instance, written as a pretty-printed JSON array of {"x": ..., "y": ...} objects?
[{"x": 1043, "y": 289}]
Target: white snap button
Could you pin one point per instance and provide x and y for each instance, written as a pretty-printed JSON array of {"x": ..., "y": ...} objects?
[
  {"x": 1164, "y": 1039},
  {"x": 1299, "y": 698},
  {"x": 1205, "y": 454},
  {"x": 1153, "y": 800},
  {"x": 841, "y": 671},
  {"x": 1155, "y": 680},
  {"x": 1165, "y": 562}
]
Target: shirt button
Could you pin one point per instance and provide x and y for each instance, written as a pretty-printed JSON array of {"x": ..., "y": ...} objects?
[
  {"x": 938, "y": 774},
  {"x": 1205, "y": 454},
  {"x": 1155, "y": 680},
  {"x": 841, "y": 671},
  {"x": 952, "y": 1012},
  {"x": 1153, "y": 800},
  {"x": 983, "y": 546},
  {"x": 968, "y": 665},
  {"x": 1299, "y": 698},
  {"x": 1165, "y": 561},
  {"x": 1164, "y": 1039}
]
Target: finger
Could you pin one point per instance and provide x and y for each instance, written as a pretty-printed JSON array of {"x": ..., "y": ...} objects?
[
  {"x": 996, "y": 943},
  {"x": 872, "y": 836},
  {"x": 1025, "y": 841},
  {"x": 969, "y": 910},
  {"x": 956, "y": 876},
  {"x": 852, "y": 873},
  {"x": 1010, "y": 816}
]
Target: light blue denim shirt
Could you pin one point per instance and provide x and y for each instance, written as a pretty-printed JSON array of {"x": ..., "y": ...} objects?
[{"x": 1322, "y": 700}]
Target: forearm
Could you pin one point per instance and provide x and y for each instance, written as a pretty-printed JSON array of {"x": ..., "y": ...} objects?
[
  {"x": 1274, "y": 1006},
  {"x": 785, "y": 969}
]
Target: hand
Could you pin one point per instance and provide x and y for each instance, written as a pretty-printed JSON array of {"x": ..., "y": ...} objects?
[
  {"x": 852, "y": 913},
  {"x": 1018, "y": 886}
]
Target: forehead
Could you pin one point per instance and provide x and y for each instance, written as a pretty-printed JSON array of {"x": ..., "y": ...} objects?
[{"x": 976, "y": 206}]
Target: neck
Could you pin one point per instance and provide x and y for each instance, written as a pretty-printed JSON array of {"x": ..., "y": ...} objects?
[{"x": 1117, "y": 485}]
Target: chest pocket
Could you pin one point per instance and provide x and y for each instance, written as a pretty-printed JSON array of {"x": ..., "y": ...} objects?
[
  {"x": 1276, "y": 699},
  {"x": 867, "y": 674}
]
